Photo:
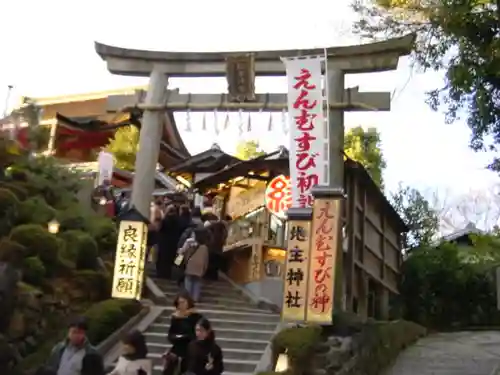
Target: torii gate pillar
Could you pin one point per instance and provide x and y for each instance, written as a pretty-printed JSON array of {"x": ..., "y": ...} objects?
[{"x": 149, "y": 144}]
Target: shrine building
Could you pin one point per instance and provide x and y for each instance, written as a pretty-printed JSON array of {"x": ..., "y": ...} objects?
[
  {"x": 256, "y": 246},
  {"x": 78, "y": 126}
]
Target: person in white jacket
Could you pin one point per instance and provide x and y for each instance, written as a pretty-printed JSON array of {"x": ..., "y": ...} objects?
[{"x": 134, "y": 359}]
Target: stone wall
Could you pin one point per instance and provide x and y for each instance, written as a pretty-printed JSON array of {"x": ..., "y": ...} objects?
[{"x": 33, "y": 318}]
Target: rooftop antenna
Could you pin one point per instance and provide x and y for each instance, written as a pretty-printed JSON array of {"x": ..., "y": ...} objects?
[{"x": 7, "y": 99}]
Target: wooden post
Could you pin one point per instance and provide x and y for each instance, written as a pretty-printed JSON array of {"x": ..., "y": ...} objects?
[{"x": 336, "y": 141}]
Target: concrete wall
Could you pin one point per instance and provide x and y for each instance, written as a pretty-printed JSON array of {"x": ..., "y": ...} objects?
[{"x": 270, "y": 289}]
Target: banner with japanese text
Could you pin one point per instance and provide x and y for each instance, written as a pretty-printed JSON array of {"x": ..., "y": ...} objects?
[
  {"x": 296, "y": 268},
  {"x": 308, "y": 131},
  {"x": 129, "y": 260},
  {"x": 321, "y": 273}
]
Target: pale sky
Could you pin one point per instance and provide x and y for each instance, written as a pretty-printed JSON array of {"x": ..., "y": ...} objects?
[{"x": 48, "y": 50}]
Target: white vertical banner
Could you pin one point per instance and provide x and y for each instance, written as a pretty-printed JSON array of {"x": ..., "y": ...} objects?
[
  {"x": 308, "y": 162},
  {"x": 105, "y": 168}
]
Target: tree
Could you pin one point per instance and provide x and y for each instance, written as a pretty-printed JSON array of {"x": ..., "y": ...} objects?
[
  {"x": 460, "y": 36},
  {"x": 364, "y": 147},
  {"x": 124, "y": 147},
  {"x": 478, "y": 207},
  {"x": 247, "y": 150},
  {"x": 417, "y": 213}
]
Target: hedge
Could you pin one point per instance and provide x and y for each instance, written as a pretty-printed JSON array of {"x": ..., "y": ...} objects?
[
  {"x": 375, "y": 345},
  {"x": 379, "y": 343},
  {"x": 300, "y": 344},
  {"x": 9, "y": 210},
  {"x": 107, "y": 316}
]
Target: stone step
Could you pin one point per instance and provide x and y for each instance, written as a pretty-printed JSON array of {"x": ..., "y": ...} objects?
[
  {"x": 231, "y": 365},
  {"x": 220, "y": 313},
  {"x": 217, "y": 298},
  {"x": 221, "y": 332},
  {"x": 226, "y": 323},
  {"x": 157, "y": 370},
  {"x": 240, "y": 332},
  {"x": 205, "y": 292},
  {"x": 159, "y": 340},
  {"x": 250, "y": 309},
  {"x": 220, "y": 287},
  {"x": 156, "y": 352}
]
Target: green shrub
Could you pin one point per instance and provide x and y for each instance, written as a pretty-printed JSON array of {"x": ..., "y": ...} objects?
[
  {"x": 86, "y": 258},
  {"x": 451, "y": 286},
  {"x": 71, "y": 239},
  {"x": 105, "y": 317},
  {"x": 33, "y": 271},
  {"x": 300, "y": 344},
  {"x": 35, "y": 210},
  {"x": 97, "y": 284},
  {"x": 38, "y": 242},
  {"x": 9, "y": 210},
  {"x": 80, "y": 248},
  {"x": 104, "y": 231},
  {"x": 73, "y": 218},
  {"x": 378, "y": 345},
  {"x": 12, "y": 252},
  {"x": 18, "y": 189}
]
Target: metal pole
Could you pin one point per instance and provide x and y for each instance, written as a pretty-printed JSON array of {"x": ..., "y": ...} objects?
[
  {"x": 149, "y": 145},
  {"x": 336, "y": 168}
]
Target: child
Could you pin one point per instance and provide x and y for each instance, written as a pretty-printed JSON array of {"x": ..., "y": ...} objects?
[{"x": 134, "y": 358}]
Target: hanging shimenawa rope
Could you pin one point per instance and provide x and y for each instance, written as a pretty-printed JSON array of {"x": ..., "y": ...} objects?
[
  {"x": 270, "y": 123},
  {"x": 216, "y": 122},
  {"x": 284, "y": 121},
  {"x": 240, "y": 126},
  {"x": 249, "y": 123},
  {"x": 204, "y": 122},
  {"x": 226, "y": 121},
  {"x": 188, "y": 121}
]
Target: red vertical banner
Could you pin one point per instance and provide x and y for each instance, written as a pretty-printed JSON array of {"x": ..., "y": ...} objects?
[
  {"x": 324, "y": 247},
  {"x": 308, "y": 143}
]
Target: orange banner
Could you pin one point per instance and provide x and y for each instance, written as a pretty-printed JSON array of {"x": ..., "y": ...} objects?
[
  {"x": 324, "y": 246},
  {"x": 295, "y": 278}
]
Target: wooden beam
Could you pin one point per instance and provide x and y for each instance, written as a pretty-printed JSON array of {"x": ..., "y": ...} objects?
[{"x": 354, "y": 100}]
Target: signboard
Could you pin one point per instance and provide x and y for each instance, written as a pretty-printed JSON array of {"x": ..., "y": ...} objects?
[
  {"x": 278, "y": 196},
  {"x": 324, "y": 247},
  {"x": 129, "y": 260},
  {"x": 308, "y": 131},
  {"x": 243, "y": 201},
  {"x": 105, "y": 168},
  {"x": 296, "y": 269},
  {"x": 241, "y": 77}
]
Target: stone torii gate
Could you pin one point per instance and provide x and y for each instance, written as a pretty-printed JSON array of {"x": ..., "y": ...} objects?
[{"x": 240, "y": 69}]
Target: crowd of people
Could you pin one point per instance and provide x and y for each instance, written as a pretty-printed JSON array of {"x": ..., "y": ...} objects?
[
  {"x": 187, "y": 245},
  {"x": 194, "y": 350}
]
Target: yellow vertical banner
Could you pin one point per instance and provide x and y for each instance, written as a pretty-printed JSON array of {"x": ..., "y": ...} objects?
[
  {"x": 324, "y": 247},
  {"x": 296, "y": 268},
  {"x": 129, "y": 260}
]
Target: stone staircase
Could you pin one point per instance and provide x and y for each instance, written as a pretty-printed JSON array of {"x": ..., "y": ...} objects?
[{"x": 242, "y": 330}]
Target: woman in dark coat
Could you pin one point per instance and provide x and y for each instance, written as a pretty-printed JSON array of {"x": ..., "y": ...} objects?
[
  {"x": 168, "y": 238},
  {"x": 204, "y": 355},
  {"x": 181, "y": 333},
  {"x": 218, "y": 237}
]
